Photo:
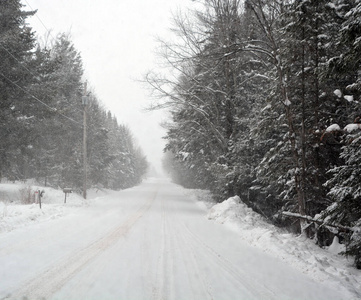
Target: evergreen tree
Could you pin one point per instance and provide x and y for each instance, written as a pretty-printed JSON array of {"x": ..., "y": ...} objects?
[
  {"x": 346, "y": 191},
  {"x": 344, "y": 185},
  {"x": 17, "y": 41},
  {"x": 41, "y": 115},
  {"x": 63, "y": 135}
]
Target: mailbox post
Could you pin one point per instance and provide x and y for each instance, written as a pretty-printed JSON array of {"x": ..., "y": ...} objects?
[
  {"x": 66, "y": 192},
  {"x": 38, "y": 195}
]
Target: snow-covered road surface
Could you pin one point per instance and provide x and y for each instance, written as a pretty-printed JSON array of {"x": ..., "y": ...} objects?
[{"x": 149, "y": 242}]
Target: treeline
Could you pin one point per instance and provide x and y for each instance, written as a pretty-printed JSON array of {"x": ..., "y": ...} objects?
[
  {"x": 41, "y": 114},
  {"x": 265, "y": 104}
]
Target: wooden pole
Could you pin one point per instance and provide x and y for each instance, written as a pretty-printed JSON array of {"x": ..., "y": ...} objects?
[{"x": 84, "y": 143}]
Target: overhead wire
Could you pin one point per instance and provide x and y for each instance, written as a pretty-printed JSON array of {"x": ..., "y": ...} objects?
[
  {"x": 35, "y": 76},
  {"x": 26, "y": 68},
  {"x": 14, "y": 57},
  {"x": 37, "y": 99},
  {"x": 42, "y": 23}
]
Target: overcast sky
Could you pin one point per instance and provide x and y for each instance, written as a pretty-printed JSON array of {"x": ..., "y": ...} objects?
[{"x": 117, "y": 42}]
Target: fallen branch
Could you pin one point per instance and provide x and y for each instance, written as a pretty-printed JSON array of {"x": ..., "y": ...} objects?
[{"x": 319, "y": 222}]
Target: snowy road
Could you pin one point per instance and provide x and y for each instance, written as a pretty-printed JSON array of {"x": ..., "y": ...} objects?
[{"x": 149, "y": 242}]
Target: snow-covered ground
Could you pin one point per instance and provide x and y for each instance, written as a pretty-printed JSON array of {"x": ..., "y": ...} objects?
[
  {"x": 14, "y": 215},
  {"x": 158, "y": 241},
  {"x": 323, "y": 265}
]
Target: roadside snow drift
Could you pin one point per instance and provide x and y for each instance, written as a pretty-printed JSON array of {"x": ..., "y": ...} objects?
[
  {"x": 324, "y": 265},
  {"x": 14, "y": 214}
]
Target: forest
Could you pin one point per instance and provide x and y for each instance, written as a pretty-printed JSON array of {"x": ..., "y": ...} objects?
[
  {"x": 41, "y": 114},
  {"x": 264, "y": 97}
]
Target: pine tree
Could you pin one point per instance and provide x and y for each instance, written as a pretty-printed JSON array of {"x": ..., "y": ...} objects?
[
  {"x": 68, "y": 90},
  {"x": 345, "y": 66},
  {"x": 17, "y": 41},
  {"x": 344, "y": 185},
  {"x": 97, "y": 137},
  {"x": 298, "y": 41},
  {"x": 346, "y": 191}
]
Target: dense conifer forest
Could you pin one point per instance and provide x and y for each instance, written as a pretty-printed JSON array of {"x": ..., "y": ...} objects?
[
  {"x": 41, "y": 114},
  {"x": 264, "y": 98}
]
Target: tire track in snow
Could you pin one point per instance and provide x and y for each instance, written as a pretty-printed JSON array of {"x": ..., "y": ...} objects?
[
  {"x": 201, "y": 251},
  {"x": 224, "y": 264},
  {"x": 164, "y": 281},
  {"x": 158, "y": 289},
  {"x": 174, "y": 247},
  {"x": 197, "y": 278},
  {"x": 47, "y": 283}
]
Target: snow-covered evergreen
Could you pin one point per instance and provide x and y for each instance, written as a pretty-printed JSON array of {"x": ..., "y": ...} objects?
[
  {"x": 41, "y": 123},
  {"x": 265, "y": 94}
]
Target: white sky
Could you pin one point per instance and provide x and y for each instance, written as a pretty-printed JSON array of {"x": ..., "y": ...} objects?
[{"x": 117, "y": 42}]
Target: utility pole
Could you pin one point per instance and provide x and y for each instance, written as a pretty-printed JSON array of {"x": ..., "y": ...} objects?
[{"x": 85, "y": 103}]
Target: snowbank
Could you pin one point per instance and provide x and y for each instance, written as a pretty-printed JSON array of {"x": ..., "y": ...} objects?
[
  {"x": 230, "y": 211},
  {"x": 14, "y": 214},
  {"x": 302, "y": 253}
]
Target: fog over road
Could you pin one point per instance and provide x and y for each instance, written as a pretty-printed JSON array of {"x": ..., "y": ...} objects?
[{"x": 149, "y": 242}]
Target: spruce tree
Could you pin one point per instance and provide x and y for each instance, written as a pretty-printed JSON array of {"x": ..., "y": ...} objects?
[
  {"x": 17, "y": 41},
  {"x": 346, "y": 191}
]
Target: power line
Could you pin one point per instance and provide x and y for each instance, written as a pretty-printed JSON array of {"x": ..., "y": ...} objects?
[
  {"x": 36, "y": 76},
  {"x": 14, "y": 57},
  {"x": 42, "y": 23},
  {"x": 37, "y": 99}
]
